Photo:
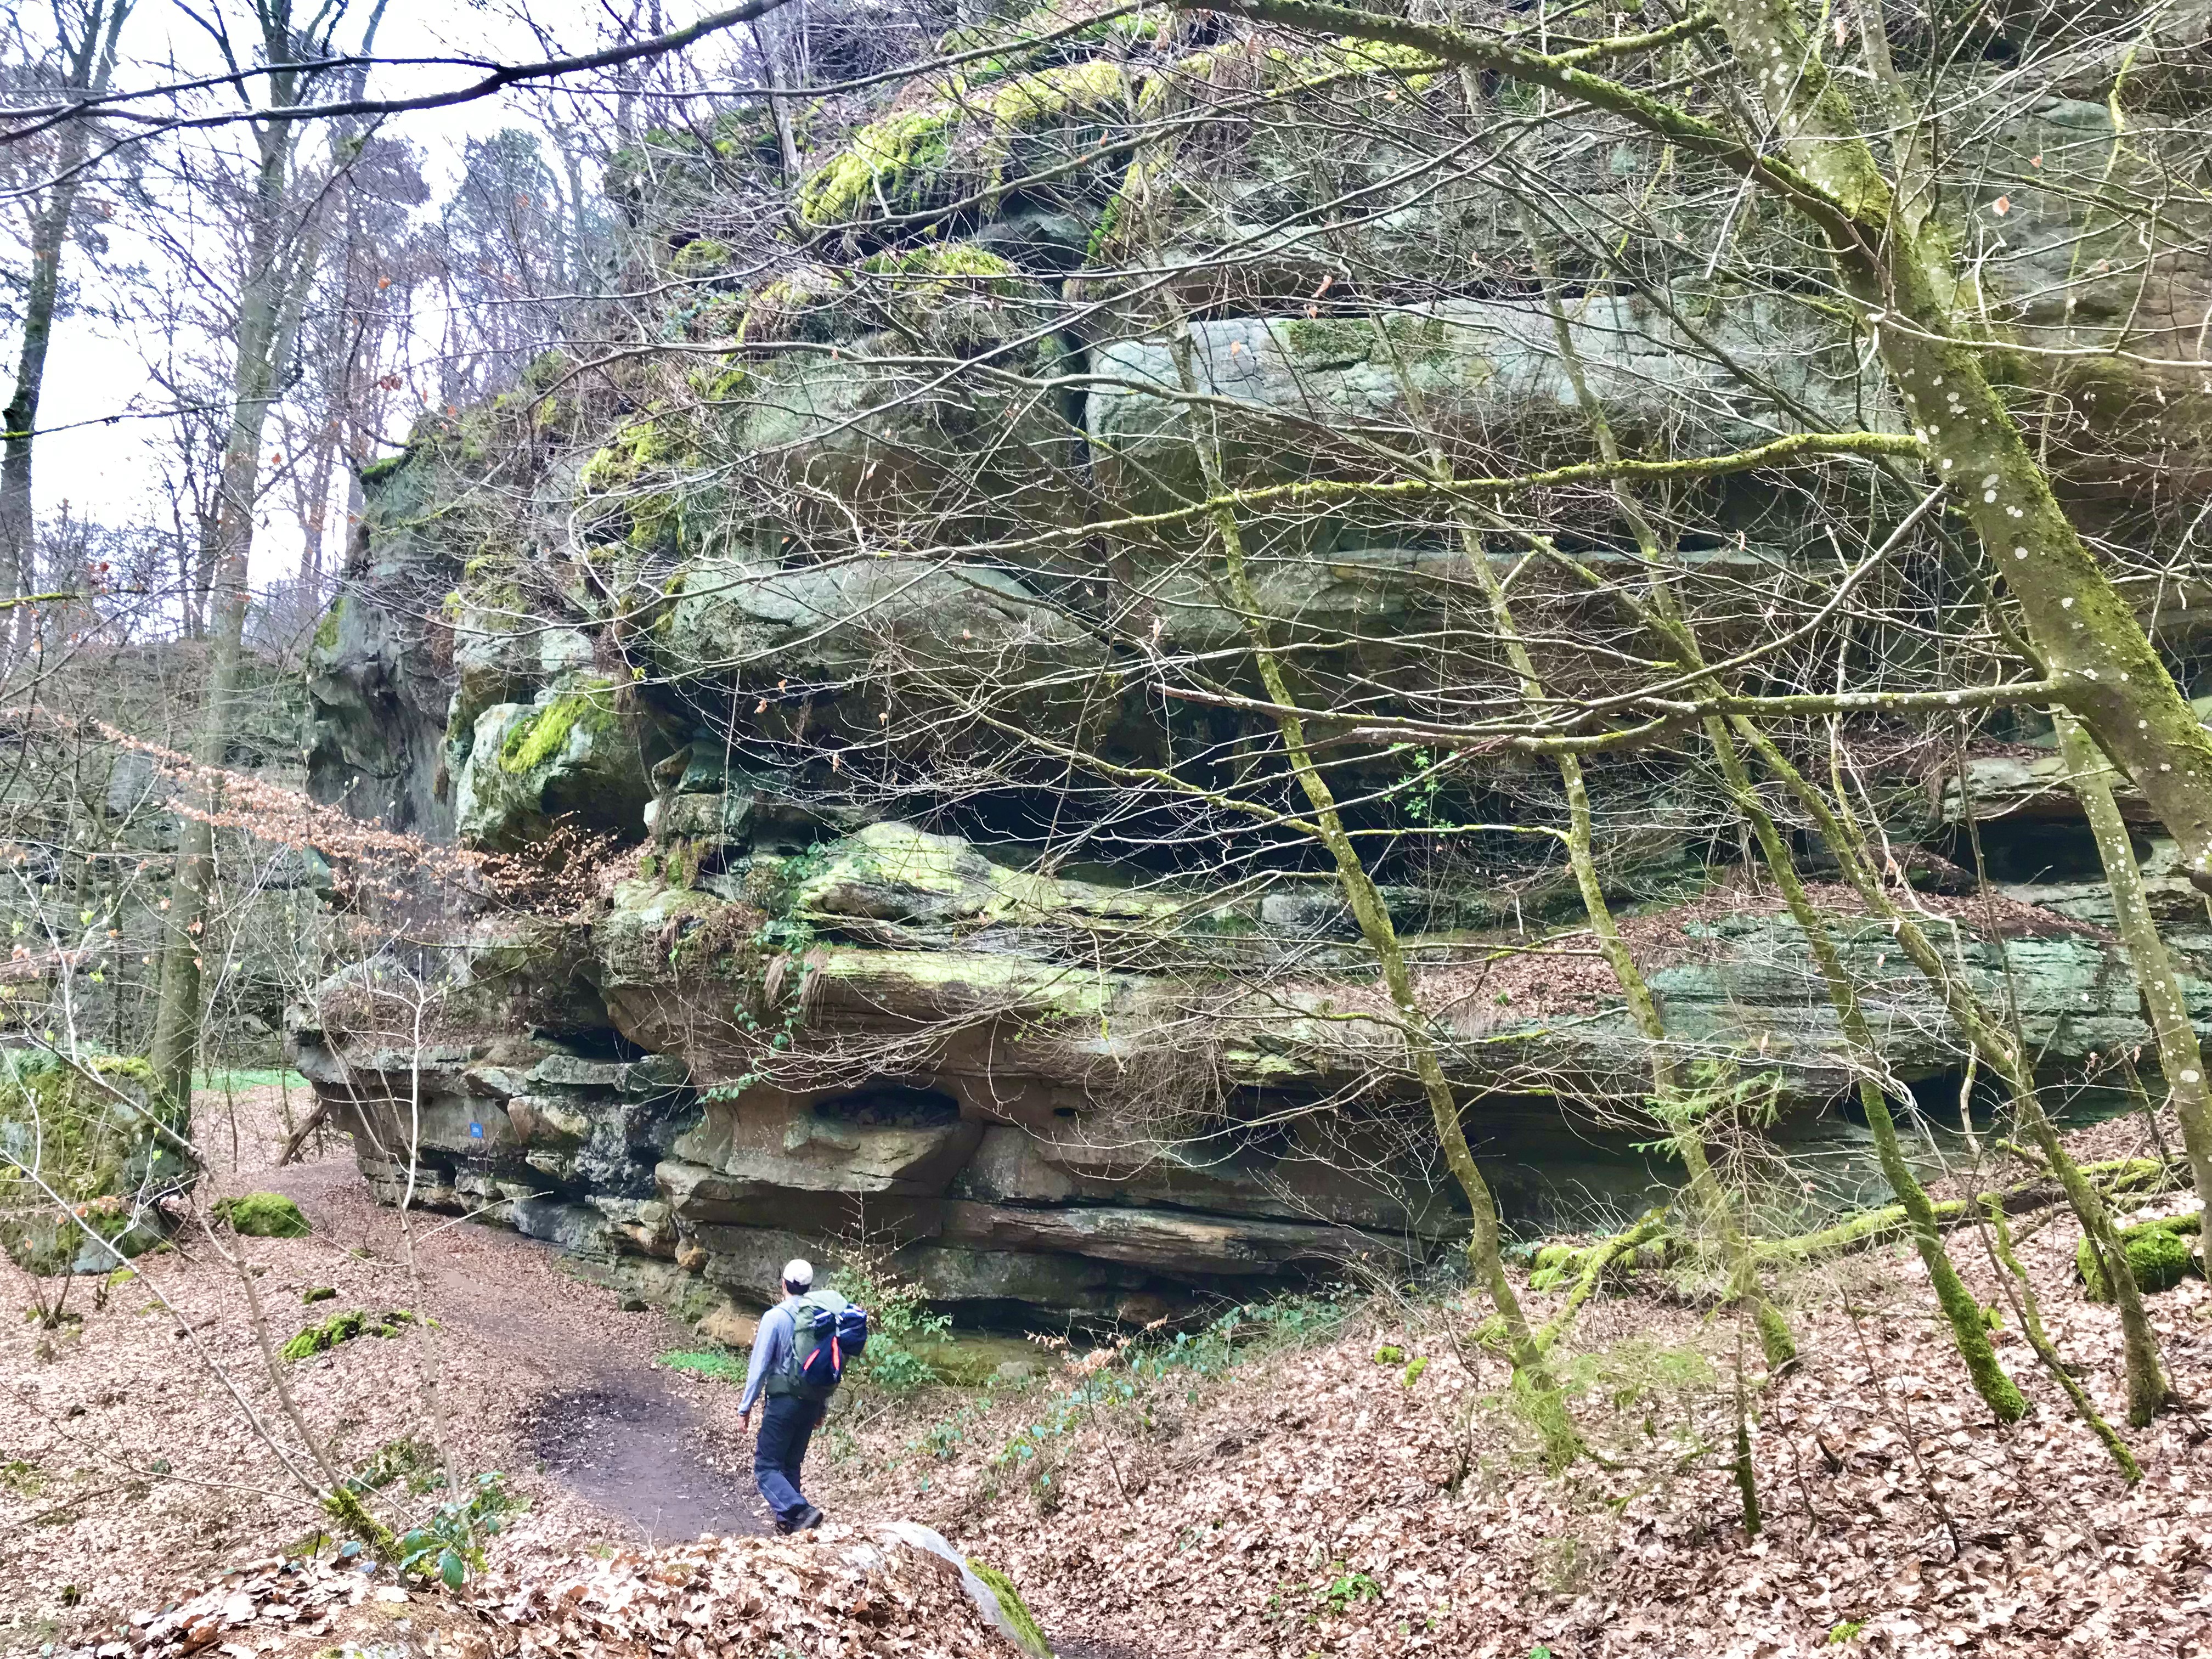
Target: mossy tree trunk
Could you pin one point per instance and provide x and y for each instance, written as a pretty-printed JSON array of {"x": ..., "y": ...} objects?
[
  {"x": 1676, "y": 1106},
  {"x": 2179, "y": 1057},
  {"x": 1486, "y": 1244},
  {"x": 177, "y": 1014},
  {"x": 1969, "y": 1333},
  {"x": 1995, "y": 1048},
  {"x": 1896, "y": 266},
  {"x": 1961, "y": 1310}
]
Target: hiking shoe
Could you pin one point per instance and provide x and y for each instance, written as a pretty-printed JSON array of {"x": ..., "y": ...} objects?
[{"x": 809, "y": 1521}]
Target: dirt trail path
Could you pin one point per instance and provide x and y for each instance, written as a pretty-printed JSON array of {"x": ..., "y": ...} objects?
[
  {"x": 631, "y": 1448},
  {"x": 656, "y": 1452}
]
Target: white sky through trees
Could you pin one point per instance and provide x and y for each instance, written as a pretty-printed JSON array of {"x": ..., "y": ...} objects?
[{"x": 105, "y": 441}]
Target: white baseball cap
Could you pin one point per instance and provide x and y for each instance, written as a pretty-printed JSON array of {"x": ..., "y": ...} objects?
[{"x": 798, "y": 1272}]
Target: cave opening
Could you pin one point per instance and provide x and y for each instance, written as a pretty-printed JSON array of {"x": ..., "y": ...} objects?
[{"x": 891, "y": 1106}]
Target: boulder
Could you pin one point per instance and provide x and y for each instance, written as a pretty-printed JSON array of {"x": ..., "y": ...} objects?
[
  {"x": 829, "y": 646},
  {"x": 1476, "y": 364},
  {"x": 99, "y": 1155},
  {"x": 570, "y": 757}
]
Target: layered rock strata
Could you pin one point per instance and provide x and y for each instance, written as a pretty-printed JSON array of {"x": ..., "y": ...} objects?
[{"x": 888, "y": 1018}]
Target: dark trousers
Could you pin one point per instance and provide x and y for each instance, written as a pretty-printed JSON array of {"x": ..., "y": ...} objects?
[{"x": 787, "y": 1423}]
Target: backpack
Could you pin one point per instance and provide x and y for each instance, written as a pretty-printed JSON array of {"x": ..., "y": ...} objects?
[{"x": 826, "y": 1331}]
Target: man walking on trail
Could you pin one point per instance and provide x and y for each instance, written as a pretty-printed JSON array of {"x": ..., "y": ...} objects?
[{"x": 789, "y": 1420}]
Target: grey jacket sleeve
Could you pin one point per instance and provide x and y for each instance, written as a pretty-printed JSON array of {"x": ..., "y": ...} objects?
[{"x": 771, "y": 1347}]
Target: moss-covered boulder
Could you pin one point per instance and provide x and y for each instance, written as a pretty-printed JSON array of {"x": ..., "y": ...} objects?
[
  {"x": 1026, "y": 1630},
  {"x": 570, "y": 756},
  {"x": 2158, "y": 1255},
  {"x": 90, "y": 1148},
  {"x": 262, "y": 1215}
]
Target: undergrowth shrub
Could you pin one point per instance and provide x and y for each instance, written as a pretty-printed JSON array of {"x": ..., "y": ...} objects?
[
  {"x": 899, "y": 1320},
  {"x": 1134, "y": 1370}
]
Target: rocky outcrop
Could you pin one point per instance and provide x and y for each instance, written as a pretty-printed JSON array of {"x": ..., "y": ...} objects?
[
  {"x": 1014, "y": 1088},
  {"x": 376, "y": 671},
  {"x": 828, "y": 633}
]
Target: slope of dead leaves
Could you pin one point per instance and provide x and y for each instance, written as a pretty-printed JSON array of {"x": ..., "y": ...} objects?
[
  {"x": 826, "y": 1595},
  {"x": 1307, "y": 1501},
  {"x": 1319, "y": 1502}
]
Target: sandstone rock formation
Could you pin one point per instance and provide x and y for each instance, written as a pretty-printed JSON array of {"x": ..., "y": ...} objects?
[{"x": 819, "y": 1011}]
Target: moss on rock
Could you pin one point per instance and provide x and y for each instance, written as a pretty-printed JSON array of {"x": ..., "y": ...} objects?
[
  {"x": 262, "y": 1215},
  {"x": 344, "y": 1328},
  {"x": 539, "y": 736},
  {"x": 889, "y": 160},
  {"x": 88, "y": 1150},
  {"x": 703, "y": 257},
  {"x": 896, "y": 163},
  {"x": 2158, "y": 1256},
  {"x": 1017, "y": 1611},
  {"x": 571, "y": 756}
]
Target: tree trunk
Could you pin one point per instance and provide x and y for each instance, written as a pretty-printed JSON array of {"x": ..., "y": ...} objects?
[
  {"x": 1961, "y": 1310},
  {"x": 765, "y": 32},
  {"x": 1969, "y": 1333},
  {"x": 1485, "y": 1244},
  {"x": 260, "y": 340},
  {"x": 2178, "y": 1054},
  {"x": 91, "y": 62}
]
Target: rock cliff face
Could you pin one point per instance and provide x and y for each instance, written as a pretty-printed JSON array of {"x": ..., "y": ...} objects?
[
  {"x": 1010, "y": 1106},
  {"x": 820, "y": 1011}
]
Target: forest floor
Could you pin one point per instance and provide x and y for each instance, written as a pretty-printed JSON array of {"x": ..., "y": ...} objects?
[
  {"x": 1265, "y": 1488},
  {"x": 129, "y": 1472}
]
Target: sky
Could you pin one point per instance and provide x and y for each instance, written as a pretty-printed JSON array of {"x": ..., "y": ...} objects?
[{"x": 110, "y": 469}]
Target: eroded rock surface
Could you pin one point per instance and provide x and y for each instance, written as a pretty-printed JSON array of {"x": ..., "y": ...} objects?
[{"x": 813, "y": 635}]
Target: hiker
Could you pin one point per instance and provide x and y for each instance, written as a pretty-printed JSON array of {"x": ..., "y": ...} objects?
[{"x": 797, "y": 1360}]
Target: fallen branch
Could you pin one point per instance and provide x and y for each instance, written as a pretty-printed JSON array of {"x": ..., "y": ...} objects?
[
  {"x": 1868, "y": 1229},
  {"x": 298, "y": 1138}
]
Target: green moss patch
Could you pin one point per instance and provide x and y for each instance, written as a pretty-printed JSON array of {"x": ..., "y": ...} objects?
[
  {"x": 702, "y": 258},
  {"x": 262, "y": 1215},
  {"x": 1017, "y": 1611},
  {"x": 541, "y": 735},
  {"x": 896, "y": 163},
  {"x": 2157, "y": 1252},
  {"x": 889, "y": 160},
  {"x": 344, "y": 1328}
]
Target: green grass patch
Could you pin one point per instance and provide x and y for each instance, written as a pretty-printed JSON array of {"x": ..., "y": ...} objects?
[
  {"x": 707, "y": 1362},
  {"x": 237, "y": 1077}
]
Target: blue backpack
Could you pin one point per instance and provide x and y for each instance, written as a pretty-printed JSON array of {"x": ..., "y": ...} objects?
[{"x": 826, "y": 1331}]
